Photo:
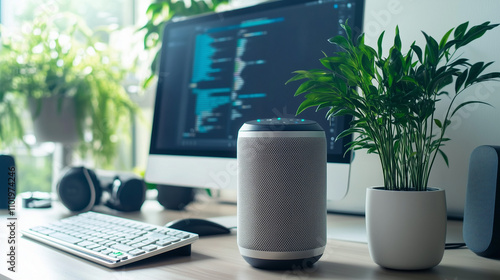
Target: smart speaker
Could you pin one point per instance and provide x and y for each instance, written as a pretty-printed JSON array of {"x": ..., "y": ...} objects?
[
  {"x": 481, "y": 228},
  {"x": 281, "y": 198}
]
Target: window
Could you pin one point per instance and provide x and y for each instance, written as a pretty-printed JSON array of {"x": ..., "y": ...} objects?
[{"x": 39, "y": 167}]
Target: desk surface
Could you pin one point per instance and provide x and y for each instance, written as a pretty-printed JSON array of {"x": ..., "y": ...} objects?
[{"x": 217, "y": 257}]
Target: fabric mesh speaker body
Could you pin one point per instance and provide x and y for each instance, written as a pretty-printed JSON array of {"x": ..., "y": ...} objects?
[
  {"x": 481, "y": 229},
  {"x": 281, "y": 196}
]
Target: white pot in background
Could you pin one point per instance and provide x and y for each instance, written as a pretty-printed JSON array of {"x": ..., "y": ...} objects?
[
  {"x": 54, "y": 119},
  {"x": 406, "y": 229}
]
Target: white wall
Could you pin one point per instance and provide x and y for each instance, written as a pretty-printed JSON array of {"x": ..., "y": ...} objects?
[{"x": 473, "y": 126}]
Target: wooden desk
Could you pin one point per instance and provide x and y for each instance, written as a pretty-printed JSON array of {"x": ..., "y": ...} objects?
[{"x": 217, "y": 257}]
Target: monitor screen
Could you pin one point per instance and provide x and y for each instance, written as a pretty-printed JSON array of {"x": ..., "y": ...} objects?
[{"x": 221, "y": 70}]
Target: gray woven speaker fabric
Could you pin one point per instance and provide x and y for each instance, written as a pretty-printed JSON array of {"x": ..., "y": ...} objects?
[{"x": 281, "y": 193}]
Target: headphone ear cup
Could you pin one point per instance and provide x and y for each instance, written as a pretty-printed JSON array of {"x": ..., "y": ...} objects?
[
  {"x": 96, "y": 184},
  {"x": 127, "y": 194},
  {"x": 79, "y": 189}
]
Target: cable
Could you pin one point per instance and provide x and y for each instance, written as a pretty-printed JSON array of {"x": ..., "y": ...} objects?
[{"x": 450, "y": 246}]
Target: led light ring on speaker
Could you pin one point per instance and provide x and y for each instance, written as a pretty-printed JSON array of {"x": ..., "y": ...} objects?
[{"x": 284, "y": 134}]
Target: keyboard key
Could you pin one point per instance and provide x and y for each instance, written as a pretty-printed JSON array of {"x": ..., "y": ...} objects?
[
  {"x": 45, "y": 231},
  {"x": 150, "y": 241},
  {"x": 122, "y": 247},
  {"x": 79, "y": 235},
  {"x": 149, "y": 248},
  {"x": 65, "y": 237},
  {"x": 92, "y": 246},
  {"x": 122, "y": 257},
  {"x": 115, "y": 254},
  {"x": 99, "y": 249},
  {"x": 93, "y": 239},
  {"x": 173, "y": 239},
  {"x": 106, "y": 251},
  {"x": 183, "y": 235},
  {"x": 115, "y": 237},
  {"x": 148, "y": 228},
  {"x": 109, "y": 243},
  {"x": 85, "y": 243},
  {"x": 136, "y": 252},
  {"x": 153, "y": 235},
  {"x": 163, "y": 242},
  {"x": 139, "y": 245}
]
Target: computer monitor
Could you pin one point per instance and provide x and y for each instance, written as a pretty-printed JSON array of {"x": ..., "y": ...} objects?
[{"x": 220, "y": 70}]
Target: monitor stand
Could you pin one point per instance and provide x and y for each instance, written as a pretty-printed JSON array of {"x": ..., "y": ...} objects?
[{"x": 174, "y": 197}]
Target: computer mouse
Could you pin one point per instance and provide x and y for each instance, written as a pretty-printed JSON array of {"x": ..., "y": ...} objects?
[{"x": 201, "y": 227}]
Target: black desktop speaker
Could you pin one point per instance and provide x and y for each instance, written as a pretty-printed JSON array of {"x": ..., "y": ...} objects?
[
  {"x": 281, "y": 198},
  {"x": 8, "y": 182},
  {"x": 81, "y": 188},
  {"x": 481, "y": 229}
]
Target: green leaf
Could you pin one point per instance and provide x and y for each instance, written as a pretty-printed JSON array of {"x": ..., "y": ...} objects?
[
  {"x": 460, "y": 30},
  {"x": 417, "y": 51},
  {"x": 349, "y": 131},
  {"x": 447, "y": 80},
  {"x": 296, "y": 78},
  {"x": 397, "y": 40},
  {"x": 305, "y": 87},
  {"x": 340, "y": 41},
  {"x": 461, "y": 62},
  {"x": 488, "y": 77},
  {"x": 444, "y": 40},
  {"x": 379, "y": 44},
  {"x": 360, "y": 41},
  {"x": 326, "y": 62},
  {"x": 367, "y": 64},
  {"x": 307, "y": 104},
  {"x": 348, "y": 30},
  {"x": 438, "y": 123},
  {"x": 388, "y": 73},
  {"x": 460, "y": 80},
  {"x": 347, "y": 72},
  {"x": 154, "y": 8},
  {"x": 431, "y": 50},
  {"x": 445, "y": 157},
  {"x": 409, "y": 79},
  {"x": 396, "y": 62},
  {"x": 331, "y": 61},
  {"x": 474, "y": 72},
  {"x": 475, "y": 32},
  {"x": 468, "y": 103}
]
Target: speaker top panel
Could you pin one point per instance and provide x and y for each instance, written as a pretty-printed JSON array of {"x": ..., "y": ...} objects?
[{"x": 281, "y": 124}]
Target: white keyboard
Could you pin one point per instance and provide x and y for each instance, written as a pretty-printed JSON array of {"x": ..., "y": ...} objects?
[{"x": 109, "y": 240}]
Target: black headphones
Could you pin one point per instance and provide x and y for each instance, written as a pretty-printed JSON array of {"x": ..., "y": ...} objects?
[{"x": 80, "y": 189}]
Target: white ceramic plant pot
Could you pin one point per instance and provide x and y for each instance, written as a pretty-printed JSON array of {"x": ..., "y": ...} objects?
[
  {"x": 54, "y": 119},
  {"x": 406, "y": 229}
]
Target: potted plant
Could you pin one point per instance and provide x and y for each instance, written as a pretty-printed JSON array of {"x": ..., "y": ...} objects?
[
  {"x": 393, "y": 101},
  {"x": 11, "y": 128},
  {"x": 63, "y": 72}
]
